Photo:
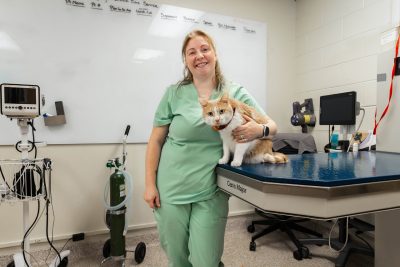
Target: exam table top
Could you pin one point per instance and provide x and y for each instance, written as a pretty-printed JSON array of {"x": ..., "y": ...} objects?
[
  {"x": 318, "y": 185},
  {"x": 325, "y": 169}
]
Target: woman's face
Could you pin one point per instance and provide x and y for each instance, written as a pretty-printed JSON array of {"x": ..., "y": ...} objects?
[{"x": 200, "y": 58}]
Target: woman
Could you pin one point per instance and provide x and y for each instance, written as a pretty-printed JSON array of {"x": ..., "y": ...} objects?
[{"x": 181, "y": 156}]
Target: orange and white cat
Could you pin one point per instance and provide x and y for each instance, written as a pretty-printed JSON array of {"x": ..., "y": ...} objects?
[{"x": 224, "y": 115}]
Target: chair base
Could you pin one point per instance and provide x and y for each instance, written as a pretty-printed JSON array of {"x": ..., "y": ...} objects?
[
  {"x": 351, "y": 247},
  {"x": 286, "y": 224},
  {"x": 338, "y": 243}
]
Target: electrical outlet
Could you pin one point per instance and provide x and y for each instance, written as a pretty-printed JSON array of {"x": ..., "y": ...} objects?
[{"x": 78, "y": 237}]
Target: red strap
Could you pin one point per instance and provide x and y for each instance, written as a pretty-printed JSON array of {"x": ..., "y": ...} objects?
[{"x": 390, "y": 90}]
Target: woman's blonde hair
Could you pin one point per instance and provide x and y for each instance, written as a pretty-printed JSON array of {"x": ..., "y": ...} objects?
[{"x": 187, "y": 75}]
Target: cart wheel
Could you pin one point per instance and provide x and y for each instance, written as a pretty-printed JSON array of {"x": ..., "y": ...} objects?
[
  {"x": 11, "y": 264},
  {"x": 252, "y": 246},
  {"x": 63, "y": 263},
  {"x": 251, "y": 228},
  {"x": 140, "y": 252},
  {"x": 107, "y": 249},
  {"x": 305, "y": 252},
  {"x": 302, "y": 253},
  {"x": 297, "y": 255}
]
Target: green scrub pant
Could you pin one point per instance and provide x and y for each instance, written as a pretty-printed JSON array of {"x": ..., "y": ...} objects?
[{"x": 192, "y": 235}]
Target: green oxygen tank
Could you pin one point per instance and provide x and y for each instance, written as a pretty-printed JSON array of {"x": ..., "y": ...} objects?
[{"x": 117, "y": 220}]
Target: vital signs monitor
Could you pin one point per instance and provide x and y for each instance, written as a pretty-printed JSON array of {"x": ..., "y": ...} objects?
[{"x": 20, "y": 100}]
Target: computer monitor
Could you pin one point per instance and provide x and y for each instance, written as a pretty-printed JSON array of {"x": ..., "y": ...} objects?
[{"x": 338, "y": 109}]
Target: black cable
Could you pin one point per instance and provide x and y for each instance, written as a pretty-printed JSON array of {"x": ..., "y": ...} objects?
[
  {"x": 47, "y": 231},
  {"x": 62, "y": 249},
  {"x": 28, "y": 232},
  {"x": 4, "y": 179},
  {"x": 40, "y": 216},
  {"x": 33, "y": 136},
  {"x": 46, "y": 166},
  {"x": 52, "y": 227},
  {"x": 47, "y": 216}
]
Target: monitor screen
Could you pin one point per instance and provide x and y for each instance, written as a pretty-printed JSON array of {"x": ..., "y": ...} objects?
[
  {"x": 15, "y": 95},
  {"x": 338, "y": 109}
]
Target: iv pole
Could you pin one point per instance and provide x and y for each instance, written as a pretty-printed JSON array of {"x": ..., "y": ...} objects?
[
  {"x": 21, "y": 102},
  {"x": 24, "y": 148}
]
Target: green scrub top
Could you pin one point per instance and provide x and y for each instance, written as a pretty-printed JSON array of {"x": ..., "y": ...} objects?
[{"x": 192, "y": 148}]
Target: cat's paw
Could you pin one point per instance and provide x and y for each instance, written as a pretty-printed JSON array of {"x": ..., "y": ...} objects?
[
  {"x": 223, "y": 161},
  {"x": 236, "y": 163}
]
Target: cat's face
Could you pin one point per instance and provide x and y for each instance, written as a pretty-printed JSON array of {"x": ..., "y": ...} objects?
[{"x": 217, "y": 112}]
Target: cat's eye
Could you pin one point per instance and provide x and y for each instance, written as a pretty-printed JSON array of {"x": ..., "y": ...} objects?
[
  {"x": 221, "y": 111},
  {"x": 210, "y": 113}
]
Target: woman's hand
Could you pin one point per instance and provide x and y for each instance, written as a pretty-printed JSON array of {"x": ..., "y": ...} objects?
[
  {"x": 248, "y": 131},
  {"x": 152, "y": 197}
]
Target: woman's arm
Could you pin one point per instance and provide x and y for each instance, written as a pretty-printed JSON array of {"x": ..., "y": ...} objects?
[
  {"x": 153, "y": 152},
  {"x": 252, "y": 130}
]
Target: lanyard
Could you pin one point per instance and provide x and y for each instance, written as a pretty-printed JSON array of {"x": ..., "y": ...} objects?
[{"x": 390, "y": 90}]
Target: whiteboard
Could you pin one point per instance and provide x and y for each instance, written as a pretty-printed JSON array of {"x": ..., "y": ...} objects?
[{"x": 110, "y": 61}]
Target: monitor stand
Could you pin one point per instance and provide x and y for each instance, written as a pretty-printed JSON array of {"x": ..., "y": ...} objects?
[{"x": 345, "y": 130}]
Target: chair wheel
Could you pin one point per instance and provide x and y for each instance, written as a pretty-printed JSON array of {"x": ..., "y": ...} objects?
[
  {"x": 140, "y": 252},
  {"x": 252, "y": 246},
  {"x": 107, "y": 249},
  {"x": 251, "y": 228},
  {"x": 302, "y": 253},
  {"x": 297, "y": 255},
  {"x": 305, "y": 252}
]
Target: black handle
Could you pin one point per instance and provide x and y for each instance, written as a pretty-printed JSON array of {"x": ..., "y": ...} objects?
[{"x": 128, "y": 127}]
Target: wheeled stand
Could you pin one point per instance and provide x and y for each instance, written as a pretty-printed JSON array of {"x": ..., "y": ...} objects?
[
  {"x": 25, "y": 180},
  {"x": 139, "y": 253},
  {"x": 120, "y": 194}
]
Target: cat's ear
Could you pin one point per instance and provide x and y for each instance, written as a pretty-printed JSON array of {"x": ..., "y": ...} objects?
[
  {"x": 203, "y": 102},
  {"x": 225, "y": 97}
]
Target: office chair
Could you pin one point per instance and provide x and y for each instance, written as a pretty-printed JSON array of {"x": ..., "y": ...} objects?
[
  {"x": 338, "y": 243},
  {"x": 286, "y": 224},
  {"x": 287, "y": 143}
]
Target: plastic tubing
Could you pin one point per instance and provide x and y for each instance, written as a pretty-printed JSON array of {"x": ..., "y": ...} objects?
[{"x": 128, "y": 180}]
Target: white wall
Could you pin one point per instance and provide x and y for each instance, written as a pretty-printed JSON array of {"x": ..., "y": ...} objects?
[
  {"x": 79, "y": 172},
  {"x": 337, "y": 43}
]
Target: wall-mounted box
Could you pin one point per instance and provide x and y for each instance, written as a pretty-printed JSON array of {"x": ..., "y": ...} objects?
[{"x": 59, "y": 119}]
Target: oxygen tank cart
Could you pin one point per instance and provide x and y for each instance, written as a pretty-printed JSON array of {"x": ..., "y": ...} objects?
[{"x": 120, "y": 194}]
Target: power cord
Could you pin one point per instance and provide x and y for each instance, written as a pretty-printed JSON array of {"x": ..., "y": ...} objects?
[
  {"x": 28, "y": 232},
  {"x": 40, "y": 216},
  {"x": 4, "y": 179},
  {"x": 47, "y": 165},
  {"x": 33, "y": 136},
  {"x": 347, "y": 236}
]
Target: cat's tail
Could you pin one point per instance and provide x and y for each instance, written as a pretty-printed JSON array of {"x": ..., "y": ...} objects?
[{"x": 280, "y": 157}]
